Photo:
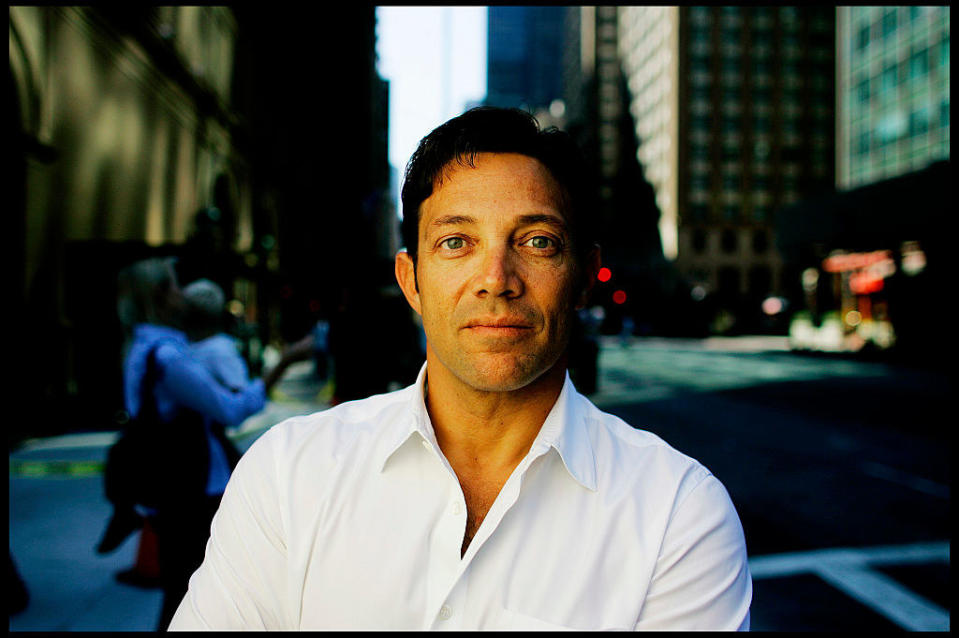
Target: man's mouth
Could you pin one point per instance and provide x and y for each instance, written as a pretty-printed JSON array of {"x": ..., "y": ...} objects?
[{"x": 498, "y": 326}]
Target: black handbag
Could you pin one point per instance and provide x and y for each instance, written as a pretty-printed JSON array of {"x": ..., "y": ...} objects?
[{"x": 134, "y": 467}]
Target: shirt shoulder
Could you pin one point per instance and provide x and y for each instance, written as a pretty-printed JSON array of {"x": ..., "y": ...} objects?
[
  {"x": 355, "y": 430},
  {"x": 638, "y": 460}
]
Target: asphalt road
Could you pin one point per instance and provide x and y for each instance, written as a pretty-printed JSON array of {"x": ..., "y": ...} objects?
[{"x": 838, "y": 468}]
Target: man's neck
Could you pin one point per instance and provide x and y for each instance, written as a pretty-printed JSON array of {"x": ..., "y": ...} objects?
[{"x": 488, "y": 433}]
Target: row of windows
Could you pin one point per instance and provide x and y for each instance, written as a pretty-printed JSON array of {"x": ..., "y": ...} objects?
[
  {"x": 887, "y": 25},
  {"x": 729, "y": 239},
  {"x": 737, "y": 67},
  {"x": 894, "y": 76},
  {"x": 760, "y": 124},
  {"x": 889, "y": 162},
  {"x": 893, "y": 128},
  {"x": 759, "y": 281}
]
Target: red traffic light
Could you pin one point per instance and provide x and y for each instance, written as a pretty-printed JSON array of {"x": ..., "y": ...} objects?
[
  {"x": 604, "y": 274},
  {"x": 619, "y": 297}
]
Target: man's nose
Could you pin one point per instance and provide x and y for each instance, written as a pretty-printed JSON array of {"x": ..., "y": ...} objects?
[{"x": 499, "y": 275}]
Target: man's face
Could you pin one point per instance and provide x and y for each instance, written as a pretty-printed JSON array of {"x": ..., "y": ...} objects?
[{"x": 496, "y": 272}]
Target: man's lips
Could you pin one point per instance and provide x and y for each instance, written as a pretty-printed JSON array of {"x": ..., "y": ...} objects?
[
  {"x": 498, "y": 327},
  {"x": 499, "y": 322}
]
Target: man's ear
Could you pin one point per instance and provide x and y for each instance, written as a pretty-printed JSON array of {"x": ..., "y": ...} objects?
[
  {"x": 591, "y": 267},
  {"x": 405, "y": 270}
]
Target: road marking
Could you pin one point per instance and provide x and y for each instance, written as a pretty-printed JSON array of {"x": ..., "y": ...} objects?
[
  {"x": 886, "y": 596},
  {"x": 848, "y": 569},
  {"x": 878, "y": 470}
]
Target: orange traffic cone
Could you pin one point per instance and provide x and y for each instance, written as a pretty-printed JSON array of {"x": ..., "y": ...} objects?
[{"x": 146, "y": 572}]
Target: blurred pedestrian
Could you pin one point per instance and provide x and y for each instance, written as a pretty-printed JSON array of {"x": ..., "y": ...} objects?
[
  {"x": 164, "y": 378},
  {"x": 206, "y": 329},
  {"x": 490, "y": 494}
]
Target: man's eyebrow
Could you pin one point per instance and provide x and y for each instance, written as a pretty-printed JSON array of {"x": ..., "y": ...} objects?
[
  {"x": 452, "y": 220},
  {"x": 552, "y": 220},
  {"x": 524, "y": 220}
]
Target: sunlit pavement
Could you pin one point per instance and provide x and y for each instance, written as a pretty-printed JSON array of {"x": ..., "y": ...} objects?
[
  {"x": 812, "y": 570},
  {"x": 58, "y": 512}
]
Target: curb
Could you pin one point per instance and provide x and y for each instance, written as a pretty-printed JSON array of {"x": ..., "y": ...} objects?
[{"x": 256, "y": 425}]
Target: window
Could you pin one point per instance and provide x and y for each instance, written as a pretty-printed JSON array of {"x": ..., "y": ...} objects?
[
  {"x": 862, "y": 41},
  {"x": 728, "y": 281},
  {"x": 889, "y": 23},
  {"x": 760, "y": 242},
  {"x": 862, "y": 146},
  {"x": 699, "y": 239},
  {"x": 918, "y": 64},
  {"x": 728, "y": 240},
  {"x": 862, "y": 91},
  {"x": 762, "y": 96},
  {"x": 888, "y": 79},
  {"x": 700, "y": 65},
  {"x": 944, "y": 113},
  {"x": 919, "y": 121}
]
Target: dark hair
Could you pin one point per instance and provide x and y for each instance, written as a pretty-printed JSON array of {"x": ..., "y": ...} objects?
[{"x": 497, "y": 130}]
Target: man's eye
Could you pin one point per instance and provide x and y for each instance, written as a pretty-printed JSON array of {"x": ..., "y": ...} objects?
[
  {"x": 541, "y": 242},
  {"x": 453, "y": 243}
]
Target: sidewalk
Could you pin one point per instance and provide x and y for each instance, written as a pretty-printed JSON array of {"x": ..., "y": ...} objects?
[{"x": 57, "y": 513}]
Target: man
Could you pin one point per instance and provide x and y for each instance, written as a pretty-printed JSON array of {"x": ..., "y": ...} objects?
[{"x": 489, "y": 494}]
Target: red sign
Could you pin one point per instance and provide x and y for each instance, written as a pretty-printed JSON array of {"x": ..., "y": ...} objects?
[{"x": 855, "y": 261}]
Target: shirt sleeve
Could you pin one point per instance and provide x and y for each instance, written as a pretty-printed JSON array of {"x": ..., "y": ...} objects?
[
  {"x": 192, "y": 385},
  {"x": 219, "y": 354},
  {"x": 702, "y": 579},
  {"x": 242, "y": 582}
]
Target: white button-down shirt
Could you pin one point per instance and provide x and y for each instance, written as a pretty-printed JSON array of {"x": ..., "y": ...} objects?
[{"x": 352, "y": 518}]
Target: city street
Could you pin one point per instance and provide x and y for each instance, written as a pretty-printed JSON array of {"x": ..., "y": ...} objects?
[{"x": 838, "y": 468}]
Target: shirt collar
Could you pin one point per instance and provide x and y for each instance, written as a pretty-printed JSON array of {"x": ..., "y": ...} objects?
[{"x": 563, "y": 430}]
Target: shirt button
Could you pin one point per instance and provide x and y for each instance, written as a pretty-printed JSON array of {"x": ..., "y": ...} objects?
[
  {"x": 457, "y": 508},
  {"x": 426, "y": 444},
  {"x": 445, "y": 612}
]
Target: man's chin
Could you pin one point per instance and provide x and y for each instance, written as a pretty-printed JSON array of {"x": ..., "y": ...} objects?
[{"x": 503, "y": 373}]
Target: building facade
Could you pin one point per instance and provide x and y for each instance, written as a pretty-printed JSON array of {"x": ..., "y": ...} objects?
[
  {"x": 734, "y": 110},
  {"x": 524, "y": 56},
  {"x": 194, "y": 132},
  {"x": 122, "y": 130},
  {"x": 893, "y": 91}
]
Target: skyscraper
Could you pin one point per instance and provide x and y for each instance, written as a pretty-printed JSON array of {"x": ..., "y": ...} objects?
[
  {"x": 893, "y": 90},
  {"x": 524, "y": 56},
  {"x": 735, "y": 119}
]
